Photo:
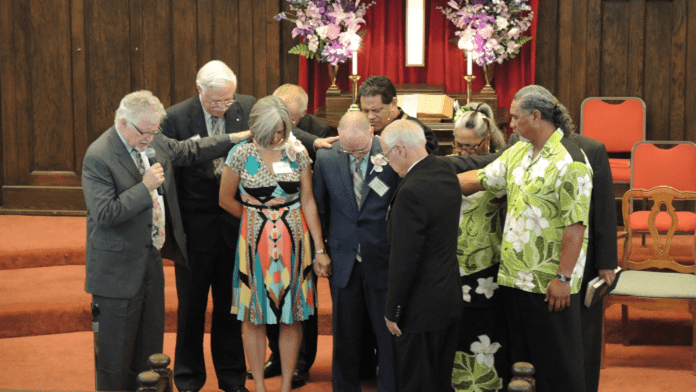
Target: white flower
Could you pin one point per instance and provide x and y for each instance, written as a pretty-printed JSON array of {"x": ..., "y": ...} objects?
[
  {"x": 378, "y": 162},
  {"x": 501, "y": 23},
  {"x": 485, "y": 350},
  {"x": 292, "y": 147},
  {"x": 495, "y": 173},
  {"x": 525, "y": 281},
  {"x": 517, "y": 234},
  {"x": 585, "y": 185},
  {"x": 535, "y": 220},
  {"x": 486, "y": 287},
  {"x": 313, "y": 43},
  {"x": 539, "y": 168},
  {"x": 321, "y": 31},
  {"x": 465, "y": 291},
  {"x": 462, "y": 271},
  {"x": 518, "y": 175}
]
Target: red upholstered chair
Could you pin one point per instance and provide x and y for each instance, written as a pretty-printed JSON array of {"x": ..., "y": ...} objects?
[
  {"x": 662, "y": 177},
  {"x": 619, "y": 123}
]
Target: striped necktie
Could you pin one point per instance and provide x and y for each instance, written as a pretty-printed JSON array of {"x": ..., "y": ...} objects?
[
  {"x": 217, "y": 128},
  {"x": 358, "y": 182}
]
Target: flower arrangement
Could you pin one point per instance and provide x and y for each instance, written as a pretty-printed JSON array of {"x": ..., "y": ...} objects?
[
  {"x": 328, "y": 28},
  {"x": 494, "y": 27}
]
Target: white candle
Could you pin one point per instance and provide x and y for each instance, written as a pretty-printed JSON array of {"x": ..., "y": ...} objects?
[
  {"x": 468, "y": 62},
  {"x": 355, "y": 62}
]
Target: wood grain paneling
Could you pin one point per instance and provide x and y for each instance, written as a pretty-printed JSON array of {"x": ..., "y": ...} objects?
[
  {"x": 643, "y": 48},
  {"x": 66, "y": 64}
]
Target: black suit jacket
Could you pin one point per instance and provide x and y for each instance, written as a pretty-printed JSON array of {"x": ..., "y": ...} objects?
[
  {"x": 601, "y": 246},
  {"x": 119, "y": 209},
  {"x": 424, "y": 288},
  {"x": 198, "y": 188}
]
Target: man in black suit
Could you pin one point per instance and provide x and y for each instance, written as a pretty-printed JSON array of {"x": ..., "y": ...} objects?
[
  {"x": 211, "y": 235},
  {"x": 130, "y": 227},
  {"x": 424, "y": 295}
]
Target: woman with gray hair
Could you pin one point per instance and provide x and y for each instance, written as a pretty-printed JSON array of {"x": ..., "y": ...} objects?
[
  {"x": 475, "y": 131},
  {"x": 272, "y": 282}
]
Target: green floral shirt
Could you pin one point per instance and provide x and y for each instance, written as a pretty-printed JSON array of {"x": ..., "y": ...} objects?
[
  {"x": 480, "y": 232},
  {"x": 545, "y": 195}
]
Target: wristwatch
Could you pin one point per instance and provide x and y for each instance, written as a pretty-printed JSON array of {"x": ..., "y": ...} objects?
[
  {"x": 562, "y": 278},
  {"x": 318, "y": 251}
]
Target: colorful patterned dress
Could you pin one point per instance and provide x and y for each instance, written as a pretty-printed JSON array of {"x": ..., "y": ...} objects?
[{"x": 272, "y": 281}]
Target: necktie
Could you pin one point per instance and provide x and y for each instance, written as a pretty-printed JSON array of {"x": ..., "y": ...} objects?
[
  {"x": 157, "y": 217},
  {"x": 216, "y": 128},
  {"x": 358, "y": 180}
]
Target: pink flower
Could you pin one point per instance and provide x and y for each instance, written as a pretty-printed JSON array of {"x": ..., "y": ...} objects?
[
  {"x": 333, "y": 31},
  {"x": 379, "y": 161}
]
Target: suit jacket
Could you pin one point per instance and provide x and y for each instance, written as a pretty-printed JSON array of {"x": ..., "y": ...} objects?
[
  {"x": 601, "y": 246},
  {"x": 198, "y": 187},
  {"x": 424, "y": 290},
  {"x": 345, "y": 224},
  {"x": 314, "y": 126},
  {"x": 119, "y": 209}
]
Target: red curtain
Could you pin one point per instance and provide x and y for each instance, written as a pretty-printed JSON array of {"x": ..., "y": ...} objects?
[{"x": 383, "y": 53}]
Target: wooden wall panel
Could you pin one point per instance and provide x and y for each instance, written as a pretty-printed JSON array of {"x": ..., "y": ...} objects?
[
  {"x": 66, "y": 64},
  {"x": 643, "y": 48}
]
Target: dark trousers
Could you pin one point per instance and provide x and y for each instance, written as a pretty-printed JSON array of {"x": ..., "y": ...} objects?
[
  {"x": 591, "y": 320},
  {"x": 551, "y": 341},
  {"x": 424, "y": 361},
  {"x": 130, "y": 330},
  {"x": 207, "y": 270},
  {"x": 350, "y": 304},
  {"x": 308, "y": 349}
]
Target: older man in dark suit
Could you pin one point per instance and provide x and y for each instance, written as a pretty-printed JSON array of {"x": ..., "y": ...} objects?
[
  {"x": 353, "y": 187},
  {"x": 211, "y": 234},
  {"x": 128, "y": 223},
  {"x": 424, "y": 299}
]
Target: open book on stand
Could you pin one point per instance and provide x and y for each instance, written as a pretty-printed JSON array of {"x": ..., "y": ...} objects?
[{"x": 598, "y": 288}]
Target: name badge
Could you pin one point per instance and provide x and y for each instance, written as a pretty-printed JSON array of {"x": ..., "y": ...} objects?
[
  {"x": 378, "y": 186},
  {"x": 282, "y": 168},
  {"x": 195, "y": 137}
]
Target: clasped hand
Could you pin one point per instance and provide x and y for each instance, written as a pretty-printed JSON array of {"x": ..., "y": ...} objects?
[
  {"x": 154, "y": 177},
  {"x": 322, "y": 265}
]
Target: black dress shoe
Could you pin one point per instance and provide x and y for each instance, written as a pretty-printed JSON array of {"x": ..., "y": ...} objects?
[
  {"x": 240, "y": 388},
  {"x": 299, "y": 379}
]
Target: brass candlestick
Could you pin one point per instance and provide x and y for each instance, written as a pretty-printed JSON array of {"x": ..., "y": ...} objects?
[
  {"x": 469, "y": 79},
  {"x": 354, "y": 106}
]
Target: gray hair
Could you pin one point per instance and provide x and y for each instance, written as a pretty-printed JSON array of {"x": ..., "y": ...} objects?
[
  {"x": 357, "y": 119},
  {"x": 536, "y": 97},
  {"x": 292, "y": 93},
  {"x": 480, "y": 120},
  {"x": 135, "y": 104},
  {"x": 407, "y": 132},
  {"x": 215, "y": 75},
  {"x": 265, "y": 116}
]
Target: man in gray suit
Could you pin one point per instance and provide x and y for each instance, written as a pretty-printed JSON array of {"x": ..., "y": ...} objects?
[
  {"x": 352, "y": 188},
  {"x": 130, "y": 227}
]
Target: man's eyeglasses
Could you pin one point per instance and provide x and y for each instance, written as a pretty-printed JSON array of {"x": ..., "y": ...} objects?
[
  {"x": 365, "y": 151},
  {"x": 385, "y": 155},
  {"x": 159, "y": 130},
  {"x": 229, "y": 102},
  {"x": 469, "y": 147}
]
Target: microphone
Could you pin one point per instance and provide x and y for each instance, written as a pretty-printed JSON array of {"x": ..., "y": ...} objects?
[{"x": 150, "y": 154}]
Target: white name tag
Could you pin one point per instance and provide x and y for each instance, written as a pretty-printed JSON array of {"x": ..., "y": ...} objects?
[
  {"x": 282, "y": 168},
  {"x": 195, "y": 137},
  {"x": 378, "y": 186}
]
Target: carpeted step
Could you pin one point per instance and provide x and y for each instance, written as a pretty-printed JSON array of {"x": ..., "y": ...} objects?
[{"x": 52, "y": 300}]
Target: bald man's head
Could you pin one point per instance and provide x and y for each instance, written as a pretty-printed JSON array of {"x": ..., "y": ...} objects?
[{"x": 355, "y": 133}]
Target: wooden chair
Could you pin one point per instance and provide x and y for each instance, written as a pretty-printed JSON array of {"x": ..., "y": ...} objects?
[
  {"x": 654, "y": 166},
  {"x": 619, "y": 123},
  {"x": 646, "y": 284}
]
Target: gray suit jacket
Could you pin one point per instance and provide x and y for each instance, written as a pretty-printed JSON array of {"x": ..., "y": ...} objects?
[
  {"x": 119, "y": 209},
  {"x": 345, "y": 225}
]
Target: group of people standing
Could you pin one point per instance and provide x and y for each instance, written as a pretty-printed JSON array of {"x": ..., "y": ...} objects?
[{"x": 253, "y": 201}]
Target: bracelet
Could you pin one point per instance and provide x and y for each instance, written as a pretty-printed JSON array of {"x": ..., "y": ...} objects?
[
  {"x": 319, "y": 251},
  {"x": 562, "y": 278}
]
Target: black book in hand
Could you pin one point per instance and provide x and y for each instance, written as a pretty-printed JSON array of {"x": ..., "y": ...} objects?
[{"x": 597, "y": 288}]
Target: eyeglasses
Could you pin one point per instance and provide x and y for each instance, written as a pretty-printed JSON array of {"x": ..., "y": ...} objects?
[
  {"x": 363, "y": 151},
  {"x": 159, "y": 130},
  {"x": 385, "y": 155},
  {"x": 228, "y": 102},
  {"x": 468, "y": 147}
]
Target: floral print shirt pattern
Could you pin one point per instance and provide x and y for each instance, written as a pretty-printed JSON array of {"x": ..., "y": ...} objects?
[{"x": 545, "y": 195}]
